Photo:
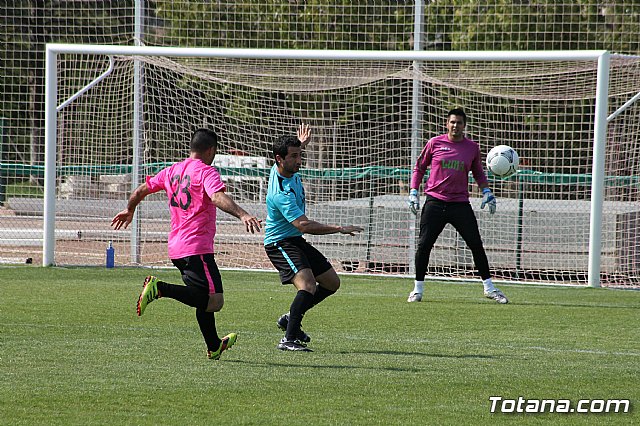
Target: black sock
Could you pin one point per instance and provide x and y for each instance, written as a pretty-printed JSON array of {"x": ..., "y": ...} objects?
[
  {"x": 321, "y": 294},
  {"x": 301, "y": 304},
  {"x": 190, "y": 296},
  {"x": 207, "y": 323}
]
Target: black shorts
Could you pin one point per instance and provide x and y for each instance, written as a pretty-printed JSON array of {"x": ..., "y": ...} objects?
[
  {"x": 291, "y": 255},
  {"x": 201, "y": 271}
]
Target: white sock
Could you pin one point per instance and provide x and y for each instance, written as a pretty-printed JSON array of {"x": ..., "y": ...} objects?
[
  {"x": 418, "y": 286},
  {"x": 488, "y": 285}
]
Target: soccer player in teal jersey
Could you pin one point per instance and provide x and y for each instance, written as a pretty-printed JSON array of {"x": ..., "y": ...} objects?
[
  {"x": 297, "y": 261},
  {"x": 450, "y": 157}
]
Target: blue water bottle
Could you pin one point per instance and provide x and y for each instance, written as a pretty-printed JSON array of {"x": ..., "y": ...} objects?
[{"x": 110, "y": 255}]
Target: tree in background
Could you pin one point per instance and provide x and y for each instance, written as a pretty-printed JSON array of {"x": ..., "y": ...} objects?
[{"x": 25, "y": 27}]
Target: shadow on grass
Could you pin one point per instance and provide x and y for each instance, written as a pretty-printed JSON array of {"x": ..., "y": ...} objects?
[
  {"x": 323, "y": 367},
  {"x": 531, "y": 303},
  {"x": 360, "y": 367},
  {"x": 576, "y": 305},
  {"x": 417, "y": 354}
]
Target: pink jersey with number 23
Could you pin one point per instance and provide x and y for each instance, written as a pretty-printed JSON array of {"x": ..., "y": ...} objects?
[{"x": 189, "y": 185}]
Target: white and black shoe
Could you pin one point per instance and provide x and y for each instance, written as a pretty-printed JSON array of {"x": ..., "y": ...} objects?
[
  {"x": 292, "y": 345},
  {"x": 414, "y": 297},
  {"x": 497, "y": 295}
]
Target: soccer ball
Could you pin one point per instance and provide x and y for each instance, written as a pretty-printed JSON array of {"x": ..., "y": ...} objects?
[{"x": 502, "y": 161}]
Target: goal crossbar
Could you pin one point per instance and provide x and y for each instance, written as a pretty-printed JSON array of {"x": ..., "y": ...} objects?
[
  {"x": 600, "y": 119},
  {"x": 311, "y": 54}
]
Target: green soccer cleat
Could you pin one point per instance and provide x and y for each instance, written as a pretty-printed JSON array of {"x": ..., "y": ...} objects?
[
  {"x": 148, "y": 295},
  {"x": 227, "y": 342}
]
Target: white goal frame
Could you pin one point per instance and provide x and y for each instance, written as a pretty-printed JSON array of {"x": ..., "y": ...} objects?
[{"x": 600, "y": 117}]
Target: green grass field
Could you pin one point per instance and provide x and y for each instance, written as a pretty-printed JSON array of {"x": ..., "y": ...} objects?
[{"x": 72, "y": 351}]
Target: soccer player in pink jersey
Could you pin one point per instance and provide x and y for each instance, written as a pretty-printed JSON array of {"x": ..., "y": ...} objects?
[
  {"x": 194, "y": 190},
  {"x": 450, "y": 157}
]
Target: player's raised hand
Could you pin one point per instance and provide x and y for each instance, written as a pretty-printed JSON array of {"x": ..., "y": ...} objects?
[
  {"x": 123, "y": 218},
  {"x": 350, "y": 230},
  {"x": 304, "y": 134}
]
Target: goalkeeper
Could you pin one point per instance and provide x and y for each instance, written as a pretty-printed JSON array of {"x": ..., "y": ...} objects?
[
  {"x": 194, "y": 190},
  {"x": 450, "y": 157}
]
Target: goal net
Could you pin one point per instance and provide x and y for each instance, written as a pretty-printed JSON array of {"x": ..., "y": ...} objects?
[{"x": 369, "y": 120}]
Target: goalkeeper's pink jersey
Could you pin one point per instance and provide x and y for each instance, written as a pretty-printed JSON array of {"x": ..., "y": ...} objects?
[
  {"x": 189, "y": 186},
  {"x": 450, "y": 163}
]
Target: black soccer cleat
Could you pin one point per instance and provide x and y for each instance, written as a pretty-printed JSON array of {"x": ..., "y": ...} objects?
[
  {"x": 282, "y": 324},
  {"x": 292, "y": 345}
]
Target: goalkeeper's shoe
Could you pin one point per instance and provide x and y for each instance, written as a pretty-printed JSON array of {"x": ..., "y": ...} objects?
[
  {"x": 148, "y": 295},
  {"x": 292, "y": 345},
  {"x": 227, "y": 342},
  {"x": 414, "y": 297},
  {"x": 283, "y": 322},
  {"x": 496, "y": 295}
]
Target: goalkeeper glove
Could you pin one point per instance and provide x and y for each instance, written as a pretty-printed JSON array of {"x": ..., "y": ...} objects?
[
  {"x": 414, "y": 202},
  {"x": 488, "y": 199}
]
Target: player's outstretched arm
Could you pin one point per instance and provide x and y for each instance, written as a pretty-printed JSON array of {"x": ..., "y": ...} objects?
[
  {"x": 307, "y": 226},
  {"x": 124, "y": 218},
  {"x": 227, "y": 205}
]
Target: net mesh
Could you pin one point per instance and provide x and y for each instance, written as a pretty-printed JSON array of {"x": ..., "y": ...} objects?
[{"x": 358, "y": 165}]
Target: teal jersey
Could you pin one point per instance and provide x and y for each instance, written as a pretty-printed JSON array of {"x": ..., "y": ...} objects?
[{"x": 285, "y": 203}]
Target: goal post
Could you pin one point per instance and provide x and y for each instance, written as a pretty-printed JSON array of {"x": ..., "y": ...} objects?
[
  {"x": 367, "y": 206},
  {"x": 597, "y": 188}
]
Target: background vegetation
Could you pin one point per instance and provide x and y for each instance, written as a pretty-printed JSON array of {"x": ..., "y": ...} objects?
[{"x": 26, "y": 26}]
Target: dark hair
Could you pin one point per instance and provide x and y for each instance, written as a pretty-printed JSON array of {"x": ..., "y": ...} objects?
[
  {"x": 459, "y": 112},
  {"x": 282, "y": 144},
  {"x": 202, "y": 140}
]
